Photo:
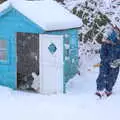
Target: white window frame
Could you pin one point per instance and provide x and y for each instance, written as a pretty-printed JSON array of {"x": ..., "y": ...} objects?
[{"x": 4, "y": 50}]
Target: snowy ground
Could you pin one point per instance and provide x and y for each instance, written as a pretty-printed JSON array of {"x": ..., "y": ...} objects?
[{"x": 79, "y": 103}]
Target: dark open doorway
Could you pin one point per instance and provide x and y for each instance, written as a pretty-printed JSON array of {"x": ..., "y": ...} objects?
[{"x": 27, "y": 60}]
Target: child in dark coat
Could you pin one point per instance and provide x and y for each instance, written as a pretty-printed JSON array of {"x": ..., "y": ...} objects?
[{"x": 110, "y": 51}]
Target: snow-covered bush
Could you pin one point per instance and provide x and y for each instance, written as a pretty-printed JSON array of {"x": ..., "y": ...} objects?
[
  {"x": 94, "y": 21},
  {"x": 95, "y": 14}
]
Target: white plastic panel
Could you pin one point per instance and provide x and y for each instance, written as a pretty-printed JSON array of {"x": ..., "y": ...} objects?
[{"x": 51, "y": 64}]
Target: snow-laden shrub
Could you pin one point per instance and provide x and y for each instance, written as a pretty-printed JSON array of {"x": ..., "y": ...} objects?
[{"x": 94, "y": 21}]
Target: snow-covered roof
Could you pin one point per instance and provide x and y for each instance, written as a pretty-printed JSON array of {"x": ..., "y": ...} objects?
[
  {"x": 48, "y": 14},
  {"x": 4, "y": 6}
]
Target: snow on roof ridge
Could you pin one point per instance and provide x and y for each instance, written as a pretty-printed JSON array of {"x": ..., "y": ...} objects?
[
  {"x": 55, "y": 16},
  {"x": 4, "y": 5}
]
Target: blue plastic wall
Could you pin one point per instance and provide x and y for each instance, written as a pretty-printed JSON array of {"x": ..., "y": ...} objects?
[{"x": 11, "y": 22}]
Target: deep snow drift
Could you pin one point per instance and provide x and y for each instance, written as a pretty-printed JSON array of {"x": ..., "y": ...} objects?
[{"x": 79, "y": 103}]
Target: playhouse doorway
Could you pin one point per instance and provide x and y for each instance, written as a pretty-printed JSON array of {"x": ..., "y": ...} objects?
[
  {"x": 27, "y": 60},
  {"x": 40, "y": 62}
]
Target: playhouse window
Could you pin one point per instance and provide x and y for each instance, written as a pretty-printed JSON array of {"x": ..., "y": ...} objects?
[{"x": 3, "y": 50}]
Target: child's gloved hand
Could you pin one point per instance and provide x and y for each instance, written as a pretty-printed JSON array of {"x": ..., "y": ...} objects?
[{"x": 115, "y": 63}]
